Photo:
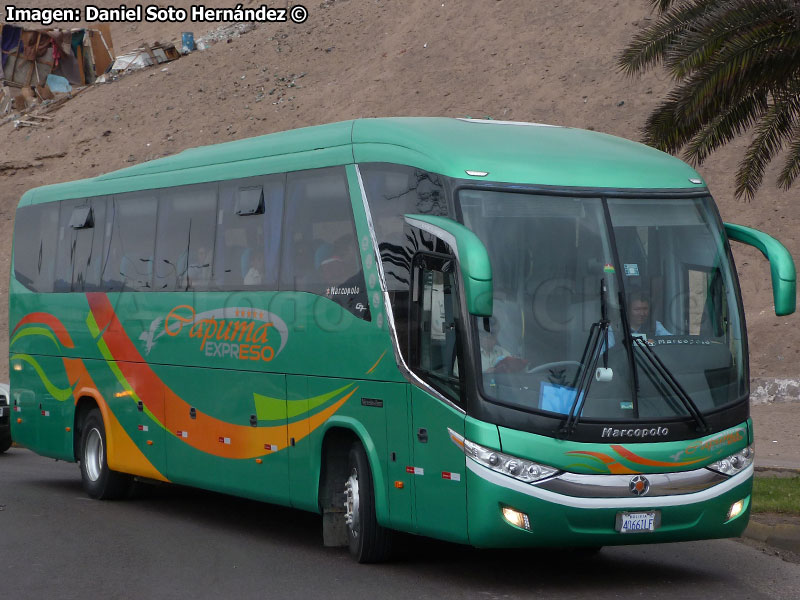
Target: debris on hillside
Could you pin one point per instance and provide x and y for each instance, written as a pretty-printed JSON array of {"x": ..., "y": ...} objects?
[
  {"x": 224, "y": 33},
  {"x": 34, "y": 61},
  {"x": 44, "y": 68},
  {"x": 145, "y": 56}
]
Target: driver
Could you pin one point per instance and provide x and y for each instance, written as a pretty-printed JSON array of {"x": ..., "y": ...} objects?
[
  {"x": 639, "y": 317},
  {"x": 494, "y": 357}
]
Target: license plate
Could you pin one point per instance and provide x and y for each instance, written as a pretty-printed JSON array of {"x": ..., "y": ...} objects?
[{"x": 638, "y": 522}]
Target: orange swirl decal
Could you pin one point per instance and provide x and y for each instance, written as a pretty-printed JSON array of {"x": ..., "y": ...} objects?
[
  {"x": 611, "y": 463},
  {"x": 640, "y": 460},
  {"x": 52, "y": 322},
  {"x": 203, "y": 432}
]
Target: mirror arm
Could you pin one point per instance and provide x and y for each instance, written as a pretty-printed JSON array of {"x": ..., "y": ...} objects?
[
  {"x": 471, "y": 255},
  {"x": 780, "y": 260}
]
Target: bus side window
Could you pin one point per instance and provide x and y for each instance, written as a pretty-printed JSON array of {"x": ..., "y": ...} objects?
[
  {"x": 320, "y": 252},
  {"x": 248, "y": 233},
  {"x": 130, "y": 242},
  {"x": 80, "y": 245},
  {"x": 35, "y": 238},
  {"x": 185, "y": 244},
  {"x": 393, "y": 191},
  {"x": 434, "y": 312}
]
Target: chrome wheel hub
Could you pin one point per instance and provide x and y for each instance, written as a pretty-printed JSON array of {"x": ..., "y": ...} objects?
[
  {"x": 351, "y": 514},
  {"x": 93, "y": 454}
]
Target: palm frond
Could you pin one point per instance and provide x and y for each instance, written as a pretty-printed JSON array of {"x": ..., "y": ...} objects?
[
  {"x": 727, "y": 125},
  {"x": 721, "y": 26},
  {"x": 649, "y": 45},
  {"x": 791, "y": 167},
  {"x": 772, "y": 131}
]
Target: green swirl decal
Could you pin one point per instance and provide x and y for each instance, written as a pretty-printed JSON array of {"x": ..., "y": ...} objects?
[
  {"x": 60, "y": 394},
  {"x": 43, "y": 331},
  {"x": 272, "y": 409}
]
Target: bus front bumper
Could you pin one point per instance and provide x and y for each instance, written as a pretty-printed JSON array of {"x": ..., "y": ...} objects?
[{"x": 566, "y": 521}]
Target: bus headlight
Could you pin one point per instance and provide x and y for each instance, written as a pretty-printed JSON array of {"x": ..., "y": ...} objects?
[
  {"x": 518, "y": 468},
  {"x": 735, "y": 463}
]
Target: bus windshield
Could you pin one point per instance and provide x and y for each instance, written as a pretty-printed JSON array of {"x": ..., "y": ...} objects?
[{"x": 614, "y": 309}]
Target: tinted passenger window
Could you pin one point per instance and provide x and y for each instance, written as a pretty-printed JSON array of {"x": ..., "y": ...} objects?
[
  {"x": 130, "y": 240},
  {"x": 185, "y": 245},
  {"x": 393, "y": 191},
  {"x": 35, "y": 238},
  {"x": 249, "y": 233},
  {"x": 80, "y": 245},
  {"x": 321, "y": 250}
]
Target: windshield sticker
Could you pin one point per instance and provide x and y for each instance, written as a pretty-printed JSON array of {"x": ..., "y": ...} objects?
[
  {"x": 631, "y": 269},
  {"x": 626, "y": 405},
  {"x": 682, "y": 341},
  {"x": 609, "y": 268}
]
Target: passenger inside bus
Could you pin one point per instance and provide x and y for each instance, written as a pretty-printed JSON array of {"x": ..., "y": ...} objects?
[{"x": 255, "y": 273}]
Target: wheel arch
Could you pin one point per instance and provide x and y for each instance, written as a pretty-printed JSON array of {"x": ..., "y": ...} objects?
[
  {"x": 87, "y": 399},
  {"x": 343, "y": 429}
]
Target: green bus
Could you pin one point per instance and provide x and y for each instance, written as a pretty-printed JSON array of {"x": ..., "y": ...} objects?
[{"x": 495, "y": 333}]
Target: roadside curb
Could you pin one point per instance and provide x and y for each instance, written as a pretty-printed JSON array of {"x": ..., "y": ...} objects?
[
  {"x": 768, "y": 470},
  {"x": 784, "y": 536}
]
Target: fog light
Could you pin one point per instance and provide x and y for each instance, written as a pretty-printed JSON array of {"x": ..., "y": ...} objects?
[
  {"x": 516, "y": 518},
  {"x": 735, "y": 509}
]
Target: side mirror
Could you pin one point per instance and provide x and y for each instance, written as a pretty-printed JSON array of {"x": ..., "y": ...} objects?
[
  {"x": 471, "y": 256},
  {"x": 781, "y": 264}
]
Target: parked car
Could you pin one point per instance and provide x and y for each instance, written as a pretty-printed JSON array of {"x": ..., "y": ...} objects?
[{"x": 5, "y": 418}]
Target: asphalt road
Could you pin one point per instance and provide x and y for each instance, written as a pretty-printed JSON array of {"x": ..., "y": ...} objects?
[{"x": 171, "y": 542}]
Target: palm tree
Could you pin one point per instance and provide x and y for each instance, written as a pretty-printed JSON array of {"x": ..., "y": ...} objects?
[{"x": 736, "y": 66}]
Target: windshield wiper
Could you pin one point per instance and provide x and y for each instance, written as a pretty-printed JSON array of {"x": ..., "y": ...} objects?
[
  {"x": 597, "y": 333},
  {"x": 673, "y": 383}
]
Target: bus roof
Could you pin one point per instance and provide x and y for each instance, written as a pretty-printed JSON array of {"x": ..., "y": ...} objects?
[{"x": 509, "y": 152}]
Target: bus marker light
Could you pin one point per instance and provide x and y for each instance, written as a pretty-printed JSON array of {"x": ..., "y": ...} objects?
[
  {"x": 259, "y": 461},
  {"x": 477, "y": 173},
  {"x": 69, "y": 429},
  {"x": 19, "y": 421},
  {"x": 516, "y": 518},
  {"x": 149, "y": 442},
  {"x": 399, "y": 485}
]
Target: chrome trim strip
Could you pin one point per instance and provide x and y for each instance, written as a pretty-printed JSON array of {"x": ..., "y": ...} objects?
[
  {"x": 387, "y": 306},
  {"x": 616, "y": 486},
  {"x": 604, "y": 503},
  {"x": 446, "y": 236}
]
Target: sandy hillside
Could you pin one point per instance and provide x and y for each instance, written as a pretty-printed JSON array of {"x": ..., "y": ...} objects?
[{"x": 508, "y": 59}]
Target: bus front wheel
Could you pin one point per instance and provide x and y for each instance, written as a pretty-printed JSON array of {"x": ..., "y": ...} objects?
[
  {"x": 368, "y": 541},
  {"x": 99, "y": 481}
]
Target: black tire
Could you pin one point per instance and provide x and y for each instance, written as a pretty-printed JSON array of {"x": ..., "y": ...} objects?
[
  {"x": 368, "y": 541},
  {"x": 5, "y": 444},
  {"x": 99, "y": 481}
]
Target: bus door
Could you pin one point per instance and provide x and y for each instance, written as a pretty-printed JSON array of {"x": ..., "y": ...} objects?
[{"x": 439, "y": 464}]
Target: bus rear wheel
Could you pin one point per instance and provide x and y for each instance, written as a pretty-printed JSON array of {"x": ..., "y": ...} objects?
[
  {"x": 99, "y": 481},
  {"x": 368, "y": 541}
]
